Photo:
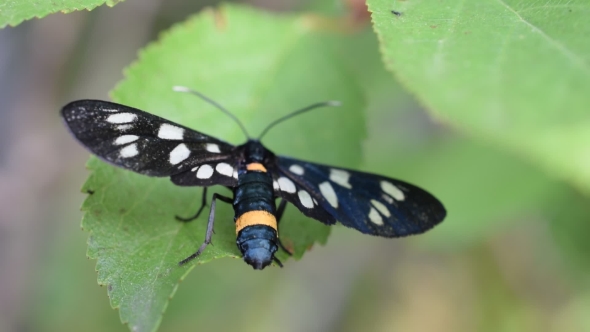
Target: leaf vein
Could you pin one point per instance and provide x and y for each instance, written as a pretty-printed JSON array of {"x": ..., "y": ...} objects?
[
  {"x": 437, "y": 59},
  {"x": 559, "y": 46}
]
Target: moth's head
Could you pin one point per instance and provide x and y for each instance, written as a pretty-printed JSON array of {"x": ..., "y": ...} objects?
[
  {"x": 255, "y": 152},
  {"x": 258, "y": 244}
]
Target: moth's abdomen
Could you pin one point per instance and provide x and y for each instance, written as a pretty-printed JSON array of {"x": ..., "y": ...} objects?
[
  {"x": 256, "y": 224},
  {"x": 258, "y": 244},
  {"x": 256, "y": 217},
  {"x": 254, "y": 193}
]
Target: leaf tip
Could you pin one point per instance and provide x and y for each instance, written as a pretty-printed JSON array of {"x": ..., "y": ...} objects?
[{"x": 219, "y": 18}]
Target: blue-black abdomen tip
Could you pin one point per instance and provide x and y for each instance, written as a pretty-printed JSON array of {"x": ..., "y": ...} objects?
[
  {"x": 258, "y": 244},
  {"x": 258, "y": 258}
]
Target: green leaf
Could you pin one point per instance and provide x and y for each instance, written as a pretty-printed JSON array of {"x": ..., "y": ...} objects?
[
  {"x": 14, "y": 12},
  {"x": 483, "y": 188},
  {"x": 258, "y": 65},
  {"x": 516, "y": 73}
]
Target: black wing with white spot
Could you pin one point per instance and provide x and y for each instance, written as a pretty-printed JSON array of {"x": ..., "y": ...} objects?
[
  {"x": 150, "y": 145},
  {"x": 304, "y": 197},
  {"x": 370, "y": 203}
]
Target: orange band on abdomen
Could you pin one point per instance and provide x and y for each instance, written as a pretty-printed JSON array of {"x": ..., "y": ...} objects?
[
  {"x": 256, "y": 218},
  {"x": 256, "y": 167}
]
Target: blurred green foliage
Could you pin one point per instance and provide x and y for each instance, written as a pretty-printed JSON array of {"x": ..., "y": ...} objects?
[
  {"x": 512, "y": 254},
  {"x": 515, "y": 73},
  {"x": 15, "y": 12}
]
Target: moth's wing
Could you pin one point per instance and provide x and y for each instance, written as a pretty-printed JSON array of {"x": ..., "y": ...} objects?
[
  {"x": 150, "y": 145},
  {"x": 370, "y": 203},
  {"x": 302, "y": 196}
]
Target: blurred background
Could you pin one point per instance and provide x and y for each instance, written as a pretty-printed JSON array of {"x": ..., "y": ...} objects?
[{"x": 511, "y": 255}]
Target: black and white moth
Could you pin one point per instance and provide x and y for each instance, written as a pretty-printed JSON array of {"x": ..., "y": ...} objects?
[{"x": 150, "y": 145}]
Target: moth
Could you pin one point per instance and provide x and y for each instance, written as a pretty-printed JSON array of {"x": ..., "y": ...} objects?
[{"x": 147, "y": 144}]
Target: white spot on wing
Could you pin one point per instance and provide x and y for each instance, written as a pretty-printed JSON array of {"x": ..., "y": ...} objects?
[
  {"x": 110, "y": 110},
  {"x": 125, "y": 139},
  {"x": 205, "y": 172},
  {"x": 340, "y": 177},
  {"x": 211, "y": 147},
  {"x": 375, "y": 217},
  {"x": 124, "y": 127},
  {"x": 286, "y": 185},
  {"x": 129, "y": 151},
  {"x": 305, "y": 199},
  {"x": 328, "y": 192},
  {"x": 122, "y": 118},
  {"x": 224, "y": 169},
  {"x": 180, "y": 153},
  {"x": 275, "y": 185},
  {"x": 235, "y": 175},
  {"x": 387, "y": 198},
  {"x": 194, "y": 169},
  {"x": 296, "y": 169},
  {"x": 382, "y": 208},
  {"x": 392, "y": 191},
  {"x": 168, "y": 131}
]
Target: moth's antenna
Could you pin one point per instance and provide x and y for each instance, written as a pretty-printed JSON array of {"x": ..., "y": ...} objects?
[
  {"x": 212, "y": 102},
  {"x": 303, "y": 110}
]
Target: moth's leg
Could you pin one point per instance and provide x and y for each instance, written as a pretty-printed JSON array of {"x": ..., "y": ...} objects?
[
  {"x": 277, "y": 261},
  {"x": 279, "y": 215},
  {"x": 203, "y": 204},
  {"x": 209, "y": 228}
]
